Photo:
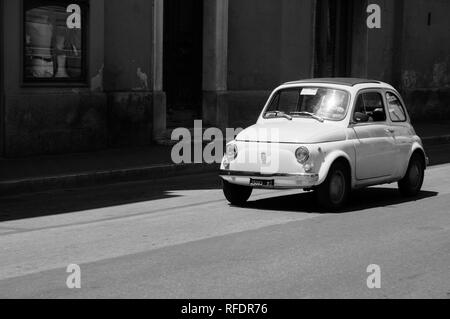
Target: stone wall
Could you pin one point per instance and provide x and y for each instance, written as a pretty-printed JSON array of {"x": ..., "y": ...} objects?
[
  {"x": 50, "y": 118},
  {"x": 410, "y": 51},
  {"x": 54, "y": 123},
  {"x": 425, "y": 69},
  {"x": 130, "y": 119},
  {"x": 269, "y": 43},
  {"x": 258, "y": 46},
  {"x": 114, "y": 108}
]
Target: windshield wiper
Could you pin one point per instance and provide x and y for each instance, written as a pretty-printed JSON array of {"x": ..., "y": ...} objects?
[
  {"x": 314, "y": 116},
  {"x": 280, "y": 114}
]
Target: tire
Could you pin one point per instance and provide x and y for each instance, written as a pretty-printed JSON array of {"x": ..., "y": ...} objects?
[
  {"x": 411, "y": 184},
  {"x": 237, "y": 195},
  {"x": 334, "y": 192}
]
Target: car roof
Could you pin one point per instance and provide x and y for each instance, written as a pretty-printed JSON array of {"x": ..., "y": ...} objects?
[{"x": 337, "y": 81}]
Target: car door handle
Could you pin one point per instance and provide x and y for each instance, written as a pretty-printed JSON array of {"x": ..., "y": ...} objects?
[{"x": 389, "y": 131}]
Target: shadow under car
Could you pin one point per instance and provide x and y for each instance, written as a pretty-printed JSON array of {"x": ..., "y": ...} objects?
[{"x": 373, "y": 197}]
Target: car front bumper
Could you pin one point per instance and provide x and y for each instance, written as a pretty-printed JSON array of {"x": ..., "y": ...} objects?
[{"x": 280, "y": 181}]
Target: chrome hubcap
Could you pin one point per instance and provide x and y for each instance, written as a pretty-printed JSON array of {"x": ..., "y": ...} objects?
[{"x": 337, "y": 187}]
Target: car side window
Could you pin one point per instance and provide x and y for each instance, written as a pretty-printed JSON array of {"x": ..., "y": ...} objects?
[
  {"x": 396, "y": 110},
  {"x": 370, "y": 108},
  {"x": 360, "y": 105}
]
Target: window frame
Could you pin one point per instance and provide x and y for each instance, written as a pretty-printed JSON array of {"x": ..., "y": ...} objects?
[
  {"x": 358, "y": 94},
  {"x": 402, "y": 105},
  {"x": 299, "y": 88},
  {"x": 83, "y": 80}
]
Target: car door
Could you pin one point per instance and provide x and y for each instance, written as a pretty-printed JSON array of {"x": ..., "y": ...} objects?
[
  {"x": 403, "y": 131},
  {"x": 375, "y": 145}
]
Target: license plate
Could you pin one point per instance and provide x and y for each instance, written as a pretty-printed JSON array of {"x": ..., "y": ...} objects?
[{"x": 262, "y": 183}]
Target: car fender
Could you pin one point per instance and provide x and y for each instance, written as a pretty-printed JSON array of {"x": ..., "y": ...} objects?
[
  {"x": 417, "y": 145},
  {"x": 329, "y": 159}
]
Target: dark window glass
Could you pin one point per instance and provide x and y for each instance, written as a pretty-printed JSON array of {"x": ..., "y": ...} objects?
[
  {"x": 371, "y": 104},
  {"x": 286, "y": 101},
  {"x": 396, "y": 110},
  {"x": 54, "y": 49},
  {"x": 360, "y": 108}
]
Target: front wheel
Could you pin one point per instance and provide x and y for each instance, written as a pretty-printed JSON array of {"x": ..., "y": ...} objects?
[
  {"x": 237, "y": 195},
  {"x": 411, "y": 184},
  {"x": 333, "y": 193}
]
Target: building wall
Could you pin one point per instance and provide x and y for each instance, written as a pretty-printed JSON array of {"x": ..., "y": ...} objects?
[
  {"x": 426, "y": 47},
  {"x": 408, "y": 53},
  {"x": 250, "y": 47},
  {"x": 373, "y": 51},
  {"x": 269, "y": 42},
  {"x": 128, "y": 65},
  {"x": 113, "y": 109},
  {"x": 2, "y": 117},
  {"x": 50, "y": 119},
  {"x": 425, "y": 69}
]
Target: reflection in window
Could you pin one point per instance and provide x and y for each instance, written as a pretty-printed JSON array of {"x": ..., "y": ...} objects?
[
  {"x": 326, "y": 103},
  {"x": 395, "y": 108},
  {"x": 53, "y": 40}
]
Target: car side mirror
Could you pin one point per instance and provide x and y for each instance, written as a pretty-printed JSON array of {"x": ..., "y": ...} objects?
[
  {"x": 379, "y": 115},
  {"x": 361, "y": 117}
]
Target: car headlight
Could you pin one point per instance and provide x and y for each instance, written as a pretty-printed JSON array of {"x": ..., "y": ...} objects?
[
  {"x": 232, "y": 152},
  {"x": 302, "y": 155}
]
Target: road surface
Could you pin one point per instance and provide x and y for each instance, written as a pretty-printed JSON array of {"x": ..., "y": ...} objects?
[{"x": 178, "y": 238}]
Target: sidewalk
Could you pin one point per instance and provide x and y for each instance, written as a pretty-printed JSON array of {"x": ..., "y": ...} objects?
[
  {"x": 90, "y": 169},
  {"x": 125, "y": 165}
]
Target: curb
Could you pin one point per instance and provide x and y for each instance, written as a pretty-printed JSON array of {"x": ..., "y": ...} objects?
[{"x": 86, "y": 179}]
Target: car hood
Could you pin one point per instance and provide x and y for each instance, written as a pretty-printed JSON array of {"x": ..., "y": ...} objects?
[{"x": 296, "y": 132}]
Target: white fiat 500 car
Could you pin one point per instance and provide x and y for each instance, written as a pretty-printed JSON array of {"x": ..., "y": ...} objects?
[{"x": 329, "y": 136}]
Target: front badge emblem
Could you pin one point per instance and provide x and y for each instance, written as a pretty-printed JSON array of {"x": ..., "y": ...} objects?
[{"x": 264, "y": 158}]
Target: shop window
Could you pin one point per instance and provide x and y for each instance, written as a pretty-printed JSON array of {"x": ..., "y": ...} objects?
[{"x": 54, "y": 41}]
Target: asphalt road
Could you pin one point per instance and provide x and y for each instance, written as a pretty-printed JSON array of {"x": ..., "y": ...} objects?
[{"x": 178, "y": 238}]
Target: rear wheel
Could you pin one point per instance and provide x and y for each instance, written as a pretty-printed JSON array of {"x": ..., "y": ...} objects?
[
  {"x": 236, "y": 194},
  {"x": 412, "y": 183},
  {"x": 333, "y": 193}
]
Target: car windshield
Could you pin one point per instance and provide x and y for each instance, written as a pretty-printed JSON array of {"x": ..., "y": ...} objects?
[{"x": 317, "y": 103}]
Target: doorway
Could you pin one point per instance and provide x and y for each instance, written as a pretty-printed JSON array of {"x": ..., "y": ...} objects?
[
  {"x": 334, "y": 21},
  {"x": 183, "y": 60}
]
